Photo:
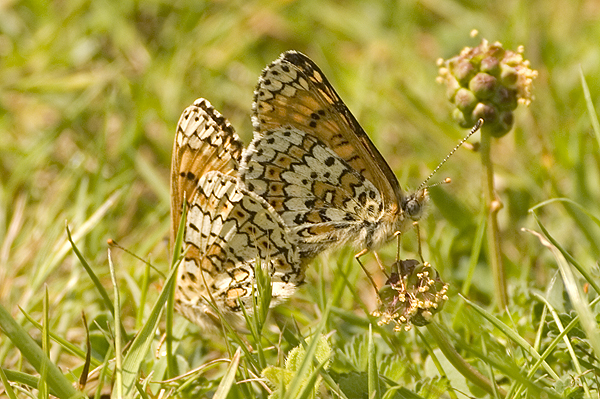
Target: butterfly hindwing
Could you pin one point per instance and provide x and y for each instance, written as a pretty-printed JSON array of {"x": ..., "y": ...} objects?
[{"x": 229, "y": 231}]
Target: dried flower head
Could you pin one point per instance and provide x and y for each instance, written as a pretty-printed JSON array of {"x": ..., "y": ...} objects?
[
  {"x": 487, "y": 82},
  {"x": 411, "y": 296}
]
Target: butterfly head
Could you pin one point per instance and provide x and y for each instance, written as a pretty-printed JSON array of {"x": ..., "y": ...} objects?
[{"x": 414, "y": 204}]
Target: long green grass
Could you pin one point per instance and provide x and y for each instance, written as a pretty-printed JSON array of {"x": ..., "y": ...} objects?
[{"x": 90, "y": 94}]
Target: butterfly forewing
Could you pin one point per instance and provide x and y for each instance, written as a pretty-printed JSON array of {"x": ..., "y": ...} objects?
[{"x": 293, "y": 92}]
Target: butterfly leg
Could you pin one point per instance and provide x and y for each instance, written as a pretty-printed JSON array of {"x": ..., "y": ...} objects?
[
  {"x": 357, "y": 257},
  {"x": 160, "y": 344},
  {"x": 380, "y": 264},
  {"x": 420, "y": 251},
  {"x": 398, "y": 235},
  {"x": 397, "y": 269}
]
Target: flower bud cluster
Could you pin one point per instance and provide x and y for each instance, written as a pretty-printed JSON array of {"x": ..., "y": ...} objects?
[{"x": 487, "y": 82}]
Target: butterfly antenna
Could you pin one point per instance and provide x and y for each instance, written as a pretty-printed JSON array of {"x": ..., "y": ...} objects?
[{"x": 472, "y": 132}]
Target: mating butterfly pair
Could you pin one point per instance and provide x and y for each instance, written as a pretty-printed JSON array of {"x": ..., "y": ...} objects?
[{"x": 310, "y": 180}]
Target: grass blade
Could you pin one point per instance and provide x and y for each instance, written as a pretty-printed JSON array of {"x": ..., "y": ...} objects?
[
  {"x": 177, "y": 247},
  {"x": 590, "y": 106},
  {"x": 516, "y": 338},
  {"x": 469, "y": 372},
  {"x": 7, "y": 388},
  {"x": 66, "y": 345},
  {"x": 43, "y": 385},
  {"x": 82, "y": 231},
  {"x": 229, "y": 377},
  {"x": 590, "y": 279},
  {"x": 143, "y": 340},
  {"x": 57, "y": 382},
  {"x": 575, "y": 292},
  {"x": 118, "y": 387},
  {"x": 105, "y": 298},
  {"x": 302, "y": 372},
  {"x": 373, "y": 375}
]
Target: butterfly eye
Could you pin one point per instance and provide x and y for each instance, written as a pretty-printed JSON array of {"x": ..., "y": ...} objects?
[{"x": 412, "y": 207}]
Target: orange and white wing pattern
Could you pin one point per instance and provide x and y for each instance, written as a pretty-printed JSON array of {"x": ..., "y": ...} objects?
[
  {"x": 204, "y": 142},
  {"x": 229, "y": 231},
  {"x": 312, "y": 161}
]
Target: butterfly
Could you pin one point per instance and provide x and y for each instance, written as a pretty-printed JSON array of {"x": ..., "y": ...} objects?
[
  {"x": 314, "y": 164},
  {"x": 229, "y": 230}
]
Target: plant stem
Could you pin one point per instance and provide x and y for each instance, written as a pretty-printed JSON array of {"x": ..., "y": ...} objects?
[
  {"x": 492, "y": 206},
  {"x": 470, "y": 373}
]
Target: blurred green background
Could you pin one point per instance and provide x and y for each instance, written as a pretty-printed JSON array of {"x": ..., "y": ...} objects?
[{"x": 91, "y": 91}]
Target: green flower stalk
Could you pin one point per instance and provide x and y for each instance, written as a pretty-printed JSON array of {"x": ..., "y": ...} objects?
[
  {"x": 411, "y": 296},
  {"x": 488, "y": 82}
]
